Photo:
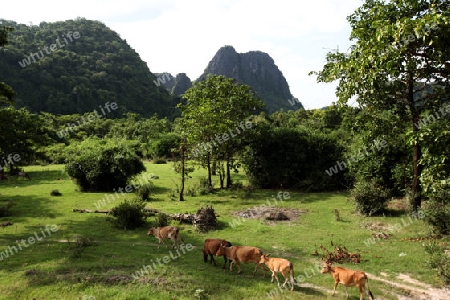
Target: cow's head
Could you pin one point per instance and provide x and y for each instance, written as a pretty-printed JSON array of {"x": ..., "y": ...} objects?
[
  {"x": 264, "y": 258},
  {"x": 221, "y": 250},
  {"x": 151, "y": 231},
  {"x": 326, "y": 267}
]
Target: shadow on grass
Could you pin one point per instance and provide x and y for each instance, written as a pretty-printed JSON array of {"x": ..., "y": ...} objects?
[
  {"x": 36, "y": 178},
  {"x": 30, "y": 207}
]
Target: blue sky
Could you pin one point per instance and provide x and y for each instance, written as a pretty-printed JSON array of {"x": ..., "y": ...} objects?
[{"x": 181, "y": 36}]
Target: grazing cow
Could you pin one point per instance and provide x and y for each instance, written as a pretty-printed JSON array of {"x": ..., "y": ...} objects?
[
  {"x": 166, "y": 232},
  {"x": 210, "y": 248},
  {"x": 23, "y": 174},
  {"x": 279, "y": 265},
  {"x": 3, "y": 177},
  {"x": 348, "y": 278},
  {"x": 245, "y": 254}
]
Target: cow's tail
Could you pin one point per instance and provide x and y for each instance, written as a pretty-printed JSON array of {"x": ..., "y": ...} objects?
[
  {"x": 367, "y": 285},
  {"x": 293, "y": 281},
  {"x": 178, "y": 234}
]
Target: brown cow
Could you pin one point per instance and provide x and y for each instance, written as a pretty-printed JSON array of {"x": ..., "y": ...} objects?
[
  {"x": 279, "y": 265},
  {"x": 3, "y": 177},
  {"x": 210, "y": 248},
  {"x": 348, "y": 278},
  {"x": 245, "y": 254},
  {"x": 166, "y": 232}
]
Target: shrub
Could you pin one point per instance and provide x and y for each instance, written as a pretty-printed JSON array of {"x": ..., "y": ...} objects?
[
  {"x": 79, "y": 246},
  {"x": 164, "y": 146},
  {"x": 204, "y": 188},
  {"x": 293, "y": 158},
  {"x": 101, "y": 165},
  {"x": 159, "y": 161},
  {"x": 437, "y": 213},
  {"x": 143, "y": 192},
  {"x": 162, "y": 219},
  {"x": 4, "y": 210},
  {"x": 128, "y": 215},
  {"x": 369, "y": 197},
  {"x": 55, "y": 193},
  {"x": 439, "y": 260}
]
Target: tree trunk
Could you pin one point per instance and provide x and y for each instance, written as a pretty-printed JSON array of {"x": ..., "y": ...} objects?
[
  {"x": 208, "y": 163},
  {"x": 221, "y": 174},
  {"x": 214, "y": 168},
  {"x": 182, "y": 173},
  {"x": 229, "y": 183},
  {"x": 416, "y": 188}
]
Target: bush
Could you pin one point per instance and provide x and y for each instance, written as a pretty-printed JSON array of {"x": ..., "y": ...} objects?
[
  {"x": 439, "y": 260},
  {"x": 164, "y": 146},
  {"x": 79, "y": 246},
  {"x": 437, "y": 213},
  {"x": 293, "y": 158},
  {"x": 4, "y": 210},
  {"x": 102, "y": 165},
  {"x": 204, "y": 188},
  {"x": 128, "y": 215},
  {"x": 55, "y": 193},
  {"x": 159, "y": 161},
  {"x": 143, "y": 192},
  {"x": 162, "y": 219},
  {"x": 370, "y": 198}
]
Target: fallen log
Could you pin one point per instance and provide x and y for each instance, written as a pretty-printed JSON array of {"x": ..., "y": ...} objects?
[{"x": 148, "y": 210}]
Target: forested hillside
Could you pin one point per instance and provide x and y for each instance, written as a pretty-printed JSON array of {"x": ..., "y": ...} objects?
[{"x": 75, "y": 66}]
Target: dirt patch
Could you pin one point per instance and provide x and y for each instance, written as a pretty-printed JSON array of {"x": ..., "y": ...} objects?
[
  {"x": 416, "y": 290},
  {"x": 270, "y": 214}
]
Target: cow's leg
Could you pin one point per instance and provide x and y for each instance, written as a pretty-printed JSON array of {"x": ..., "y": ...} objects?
[
  {"x": 239, "y": 267},
  {"x": 335, "y": 286},
  {"x": 225, "y": 262},
  {"x": 361, "y": 292},
  {"x": 212, "y": 260},
  {"x": 286, "y": 277},
  {"x": 346, "y": 291},
  {"x": 276, "y": 277},
  {"x": 174, "y": 240},
  {"x": 231, "y": 266}
]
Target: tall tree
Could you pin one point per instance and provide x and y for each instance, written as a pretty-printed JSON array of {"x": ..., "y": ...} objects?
[
  {"x": 400, "y": 61},
  {"x": 213, "y": 112}
]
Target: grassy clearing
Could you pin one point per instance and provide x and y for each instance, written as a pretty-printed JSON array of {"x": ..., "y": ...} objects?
[{"x": 104, "y": 260}]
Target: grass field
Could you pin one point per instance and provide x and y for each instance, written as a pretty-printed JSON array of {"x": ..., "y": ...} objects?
[{"x": 106, "y": 266}]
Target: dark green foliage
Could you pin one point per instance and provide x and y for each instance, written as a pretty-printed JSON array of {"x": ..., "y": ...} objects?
[
  {"x": 144, "y": 191},
  {"x": 80, "y": 244},
  {"x": 439, "y": 260},
  {"x": 159, "y": 161},
  {"x": 293, "y": 158},
  {"x": 96, "y": 68},
  {"x": 55, "y": 193},
  {"x": 4, "y": 209},
  {"x": 437, "y": 213},
  {"x": 128, "y": 215},
  {"x": 370, "y": 198},
  {"x": 164, "y": 146},
  {"x": 21, "y": 133},
  {"x": 100, "y": 166},
  {"x": 161, "y": 220}
]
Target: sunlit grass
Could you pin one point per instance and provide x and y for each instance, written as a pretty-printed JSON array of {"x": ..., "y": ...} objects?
[{"x": 105, "y": 269}]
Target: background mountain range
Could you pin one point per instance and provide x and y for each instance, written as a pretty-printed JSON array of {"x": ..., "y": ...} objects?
[{"x": 52, "y": 71}]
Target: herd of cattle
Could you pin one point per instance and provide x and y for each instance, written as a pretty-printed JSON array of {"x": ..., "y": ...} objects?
[{"x": 247, "y": 254}]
